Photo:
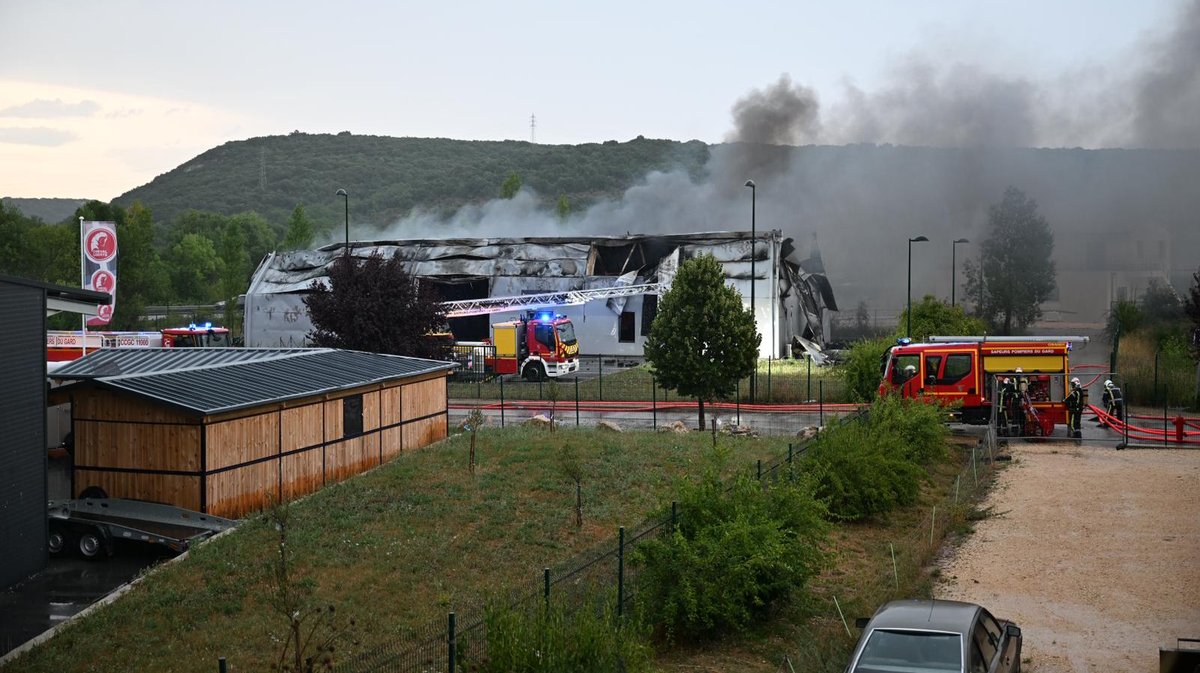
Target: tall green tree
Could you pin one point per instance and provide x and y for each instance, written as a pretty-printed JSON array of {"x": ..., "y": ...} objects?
[
  {"x": 1192, "y": 309},
  {"x": 511, "y": 185},
  {"x": 936, "y": 317},
  {"x": 195, "y": 269},
  {"x": 299, "y": 230},
  {"x": 235, "y": 268},
  {"x": 140, "y": 275},
  {"x": 562, "y": 208},
  {"x": 703, "y": 341},
  {"x": 1017, "y": 273},
  {"x": 374, "y": 305}
]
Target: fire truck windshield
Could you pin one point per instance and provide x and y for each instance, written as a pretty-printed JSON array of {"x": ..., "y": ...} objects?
[{"x": 566, "y": 333}]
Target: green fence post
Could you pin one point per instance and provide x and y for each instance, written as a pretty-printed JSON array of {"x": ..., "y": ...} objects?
[
  {"x": 222, "y": 667},
  {"x": 452, "y": 644},
  {"x": 821, "y": 400},
  {"x": 653, "y": 403},
  {"x": 808, "y": 395},
  {"x": 600, "y": 378},
  {"x": 501, "y": 400},
  {"x": 546, "y": 588},
  {"x": 621, "y": 572},
  {"x": 577, "y": 399},
  {"x": 758, "y": 474},
  {"x": 769, "y": 360},
  {"x": 737, "y": 402}
]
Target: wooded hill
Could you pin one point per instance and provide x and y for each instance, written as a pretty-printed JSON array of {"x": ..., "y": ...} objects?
[{"x": 386, "y": 177}]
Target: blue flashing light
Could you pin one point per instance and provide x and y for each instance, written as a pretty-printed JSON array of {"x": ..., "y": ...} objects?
[
  {"x": 208, "y": 325},
  {"x": 903, "y": 341},
  {"x": 546, "y": 317},
  {"x": 192, "y": 326}
]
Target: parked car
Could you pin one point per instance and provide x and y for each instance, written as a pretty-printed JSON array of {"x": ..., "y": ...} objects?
[{"x": 931, "y": 636}]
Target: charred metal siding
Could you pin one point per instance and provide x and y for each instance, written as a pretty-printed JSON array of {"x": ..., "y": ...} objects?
[{"x": 23, "y": 420}]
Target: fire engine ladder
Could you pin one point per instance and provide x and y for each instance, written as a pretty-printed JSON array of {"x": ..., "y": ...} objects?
[{"x": 468, "y": 307}]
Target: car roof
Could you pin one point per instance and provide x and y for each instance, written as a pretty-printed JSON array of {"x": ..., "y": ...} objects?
[{"x": 934, "y": 615}]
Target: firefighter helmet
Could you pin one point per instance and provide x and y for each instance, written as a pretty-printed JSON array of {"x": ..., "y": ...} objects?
[
  {"x": 1075, "y": 381},
  {"x": 1108, "y": 383}
]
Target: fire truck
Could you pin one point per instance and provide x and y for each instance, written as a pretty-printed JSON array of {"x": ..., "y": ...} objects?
[
  {"x": 963, "y": 369},
  {"x": 538, "y": 344},
  {"x": 66, "y": 345}
]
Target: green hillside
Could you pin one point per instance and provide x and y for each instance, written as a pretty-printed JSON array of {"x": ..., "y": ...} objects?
[
  {"x": 386, "y": 177},
  {"x": 46, "y": 210}
]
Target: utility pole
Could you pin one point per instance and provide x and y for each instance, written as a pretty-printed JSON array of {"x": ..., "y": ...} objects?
[{"x": 533, "y": 128}]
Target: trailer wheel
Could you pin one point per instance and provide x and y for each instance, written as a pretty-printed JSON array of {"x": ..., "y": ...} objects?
[
  {"x": 91, "y": 545},
  {"x": 56, "y": 542},
  {"x": 534, "y": 372}
]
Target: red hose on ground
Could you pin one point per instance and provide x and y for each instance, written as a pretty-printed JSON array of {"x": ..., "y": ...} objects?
[{"x": 1140, "y": 433}]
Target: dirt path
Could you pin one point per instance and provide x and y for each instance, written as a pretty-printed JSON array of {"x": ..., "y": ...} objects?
[{"x": 1095, "y": 554}]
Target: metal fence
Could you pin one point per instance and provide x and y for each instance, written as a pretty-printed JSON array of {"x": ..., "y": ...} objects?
[{"x": 459, "y": 641}]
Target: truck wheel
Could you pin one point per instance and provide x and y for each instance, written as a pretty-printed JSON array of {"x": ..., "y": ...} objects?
[
  {"x": 91, "y": 546},
  {"x": 93, "y": 492},
  {"x": 535, "y": 372},
  {"x": 56, "y": 542}
]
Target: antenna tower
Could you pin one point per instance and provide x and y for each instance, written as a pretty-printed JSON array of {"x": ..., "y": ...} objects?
[{"x": 533, "y": 128}]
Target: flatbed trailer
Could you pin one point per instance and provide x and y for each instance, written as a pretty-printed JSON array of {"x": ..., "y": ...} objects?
[{"x": 92, "y": 525}]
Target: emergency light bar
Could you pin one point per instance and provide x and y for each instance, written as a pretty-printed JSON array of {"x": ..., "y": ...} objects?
[{"x": 1018, "y": 339}]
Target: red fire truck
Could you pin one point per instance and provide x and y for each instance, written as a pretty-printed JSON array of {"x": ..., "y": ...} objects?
[
  {"x": 537, "y": 345},
  {"x": 66, "y": 345},
  {"x": 963, "y": 370}
]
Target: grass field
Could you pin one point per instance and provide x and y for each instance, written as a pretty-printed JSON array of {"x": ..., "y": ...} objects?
[
  {"x": 399, "y": 547},
  {"x": 779, "y": 382}
]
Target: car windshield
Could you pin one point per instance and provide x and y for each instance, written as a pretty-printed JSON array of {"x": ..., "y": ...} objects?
[
  {"x": 566, "y": 332},
  {"x": 910, "y": 652}
]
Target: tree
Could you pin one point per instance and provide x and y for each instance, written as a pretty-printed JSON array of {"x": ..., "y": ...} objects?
[
  {"x": 1017, "y": 274},
  {"x": 703, "y": 340},
  {"x": 195, "y": 269},
  {"x": 1192, "y": 309},
  {"x": 235, "y": 268},
  {"x": 299, "y": 231},
  {"x": 935, "y": 317},
  {"x": 1160, "y": 304},
  {"x": 562, "y": 208},
  {"x": 512, "y": 185},
  {"x": 139, "y": 275},
  {"x": 375, "y": 305}
]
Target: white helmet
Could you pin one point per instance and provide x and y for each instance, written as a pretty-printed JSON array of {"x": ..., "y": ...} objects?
[
  {"x": 910, "y": 369},
  {"x": 1075, "y": 381},
  {"x": 1020, "y": 371},
  {"x": 1108, "y": 384}
]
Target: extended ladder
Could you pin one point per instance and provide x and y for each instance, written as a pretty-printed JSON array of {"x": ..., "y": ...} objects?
[{"x": 468, "y": 307}]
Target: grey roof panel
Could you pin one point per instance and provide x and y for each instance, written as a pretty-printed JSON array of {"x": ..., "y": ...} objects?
[{"x": 203, "y": 381}]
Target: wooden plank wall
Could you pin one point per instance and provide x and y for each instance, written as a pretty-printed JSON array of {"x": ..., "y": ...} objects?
[{"x": 248, "y": 460}]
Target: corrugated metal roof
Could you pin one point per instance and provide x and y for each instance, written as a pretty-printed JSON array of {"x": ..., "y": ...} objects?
[{"x": 205, "y": 381}]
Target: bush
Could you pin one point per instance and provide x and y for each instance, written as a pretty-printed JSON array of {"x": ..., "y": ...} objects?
[
  {"x": 861, "y": 472},
  {"x": 916, "y": 428},
  {"x": 734, "y": 555},
  {"x": 861, "y": 370},
  {"x": 586, "y": 637}
]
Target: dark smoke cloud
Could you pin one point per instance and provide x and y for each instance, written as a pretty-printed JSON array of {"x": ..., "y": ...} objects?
[
  {"x": 1168, "y": 88},
  {"x": 781, "y": 114}
]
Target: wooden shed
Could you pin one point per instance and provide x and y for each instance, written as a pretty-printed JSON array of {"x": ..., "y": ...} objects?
[{"x": 224, "y": 430}]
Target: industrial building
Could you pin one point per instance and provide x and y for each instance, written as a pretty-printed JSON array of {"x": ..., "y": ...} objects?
[{"x": 792, "y": 296}]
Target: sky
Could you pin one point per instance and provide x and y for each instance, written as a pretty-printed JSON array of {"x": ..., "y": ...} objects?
[{"x": 99, "y": 98}]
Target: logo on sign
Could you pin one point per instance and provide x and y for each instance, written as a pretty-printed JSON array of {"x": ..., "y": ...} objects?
[
  {"x": 100, "y": 245},
  {"x": 104, "y": 312},
  {"x": 103, "y": 281}
]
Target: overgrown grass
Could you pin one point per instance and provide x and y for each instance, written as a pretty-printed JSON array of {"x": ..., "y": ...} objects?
[
  {"x": 393, "y": 548},
  {"x": 1176, "y": 372},
  {"x": 779, "y": 382}
]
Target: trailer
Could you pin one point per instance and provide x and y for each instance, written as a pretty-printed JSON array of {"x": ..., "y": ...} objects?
[{"x": 92, "y": 525}]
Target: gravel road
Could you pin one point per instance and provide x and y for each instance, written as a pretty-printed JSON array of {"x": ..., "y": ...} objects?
[{"x": 1094, "y": 552}]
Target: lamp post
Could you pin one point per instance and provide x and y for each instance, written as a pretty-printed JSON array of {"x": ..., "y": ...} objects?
[
  {"x": 953, "y": 273},
  {"x": 919, "y": 239},
  {"x": 342, "y": 193},
  {"x": 753, "y": 278}
]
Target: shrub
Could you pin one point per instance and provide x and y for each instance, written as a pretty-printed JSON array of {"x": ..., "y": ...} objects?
[
  {"x": 861, "y": 371},
  {"x": 915, "y": 428},
  {"x": 735, "y": 554},
  {"x": 862, "y": 471},
  {"x": 580, "y": 637}
]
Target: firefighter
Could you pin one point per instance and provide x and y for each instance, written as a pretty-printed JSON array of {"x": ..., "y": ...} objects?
[
  {"x": 1002, "y": 402},
  {"x": 1074, "y": 409},
  {"x": 1114, "y": 402},
  {"x": 1019, "y": 400}
]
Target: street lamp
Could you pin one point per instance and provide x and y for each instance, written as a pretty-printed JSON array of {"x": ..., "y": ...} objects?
[
  {"x": 342, "y": 193},
  {"x": 919, "y": 239},
  {"x": 753, "y": 278},
  {"x": 953, "y": 273}
]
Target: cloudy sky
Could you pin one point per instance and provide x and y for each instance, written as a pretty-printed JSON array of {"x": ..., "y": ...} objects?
[{"x": 99, "y": 97}]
